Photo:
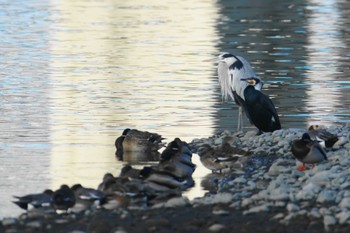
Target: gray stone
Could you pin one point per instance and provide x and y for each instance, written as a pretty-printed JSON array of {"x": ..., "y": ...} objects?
[
  {"x": 221, "y": 212},
  {"x": 34, "y": 224},
  {"x": 329, "y": 220},
  {"x": 222, "y": 198},
  {"x": 347, "y": 146},
  {"x": 315, "y": 213},
  {"x": 257, "y": 209},
  {"x": 309, "y": 192},
  {"x": 326, "y": 196},
  {"x": 217, "y": 227},
  {"x": 246, "y": 202},
  {"x": 9, "y": 221},
  {"x": 291, "y": 207},
  {"x": 345, "y": 203},
  {"x": 343, "y": 216}
]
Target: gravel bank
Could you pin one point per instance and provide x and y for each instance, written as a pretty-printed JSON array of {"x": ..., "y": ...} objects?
[{"x": 267, "y": 195}]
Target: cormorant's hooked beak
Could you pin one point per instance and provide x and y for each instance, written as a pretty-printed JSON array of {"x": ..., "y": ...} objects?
[{"x": 249, "y": 80}]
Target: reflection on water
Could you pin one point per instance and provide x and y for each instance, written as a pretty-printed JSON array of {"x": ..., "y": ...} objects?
[
  {"x": 139, "y": 156},
  {"x": 76, "y": 73},
  {"x": 324, "y": 42},
  {"x": 139, "y": 68}
]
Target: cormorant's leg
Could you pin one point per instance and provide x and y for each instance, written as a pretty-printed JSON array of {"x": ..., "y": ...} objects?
[{"x": 240, "y": 119}]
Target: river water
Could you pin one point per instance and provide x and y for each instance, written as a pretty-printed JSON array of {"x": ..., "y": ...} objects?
[{"x": 74, "y": 74}]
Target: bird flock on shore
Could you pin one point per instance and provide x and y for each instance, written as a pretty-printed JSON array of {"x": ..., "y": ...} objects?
[{"x": 174, "y": 170}]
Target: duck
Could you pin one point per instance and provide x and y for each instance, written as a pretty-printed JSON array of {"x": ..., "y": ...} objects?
[
  {"x": 325, "y": 138},
  {"x": 159, "y": 181},
  {"x": 35, "y": 200},
  {"x": 107, "y": 179},
  {"x": 111, "y": 184},
  {"x": 63, "y": 198},
  {"x": 308, "y": 151},
  {"x": 123, "y": 185},
  {"x": 88, "y": 195},
  {"x": 260, "y": 108},
  {"x": 221, "y": 158},
  {"x": 133, "y": 140},
  {"x": 128, "y": 171},
  {"x": 177, "y": 159}
]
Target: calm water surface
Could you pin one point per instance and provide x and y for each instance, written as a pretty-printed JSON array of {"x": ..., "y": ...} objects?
[{"x": 74, "y": 74}]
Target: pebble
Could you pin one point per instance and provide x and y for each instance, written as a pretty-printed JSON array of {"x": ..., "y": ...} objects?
[
  {"x": 291, "y": 207},
  {"x": 343, "y": 216},
  {"x": 347, "y": 146},
  {"x": 329, "y": 220},
  {"x": 315, "y": 213},
  {"x": 278, "y": 216},
  {"x": 345, "y": 203},
  {"x": 34, "y": 224},
  {"x": 217, "y": 227},
  {"x": 308, "y": 192},
  {"x": 173, "y": 202},
  {"x": 327, "y": 196},
  {"x": 9, "y": 221},
  {"x": 257, "y": 209},
  {"x": 221, "y": 212},
  {"x": 222, "y": 198}
]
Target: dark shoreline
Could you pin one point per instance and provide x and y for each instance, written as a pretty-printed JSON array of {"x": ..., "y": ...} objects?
[{"x": 189, "y": 218}]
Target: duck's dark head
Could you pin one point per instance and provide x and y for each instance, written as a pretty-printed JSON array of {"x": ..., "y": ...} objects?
[
  {"x": 146, "y": 172},
  {"x": 125, "y": 132},
  {"x": 64, "y": 187},
  {"x": 76, "y": 187},
  {"x": 48, "y": 192},
  {"x": 172, "y": 148},
  {"x": 306, "y": 137}
]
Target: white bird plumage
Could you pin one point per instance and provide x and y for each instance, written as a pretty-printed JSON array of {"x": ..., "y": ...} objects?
[{"x": 231, "y": 69}]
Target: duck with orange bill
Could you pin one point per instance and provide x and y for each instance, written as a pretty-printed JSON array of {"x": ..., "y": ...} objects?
[{"x": 308, "y": 151}]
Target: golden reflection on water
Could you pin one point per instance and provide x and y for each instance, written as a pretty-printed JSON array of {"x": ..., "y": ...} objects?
[
  {"x": 324, "y": 51},
  {"x": 118, "y": 64}
]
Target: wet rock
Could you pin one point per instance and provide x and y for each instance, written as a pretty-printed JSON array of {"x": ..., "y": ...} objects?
[
  {"x": 345, "y": 203},
  {"x": 309, "y": 192},
  {"x": 343, "y": 216},
  {"x": 222, "y": 198},
  {"x": 173, "y": 202},
  {"x": 321, "y": 178},
  {"x": 347, "y": 146},
  {"x": 221, "y": 212},
  {"x": 315, "y": 213},
  {"x": 326, "y": 196},
  {"x": 329, "y": 220},
  {"x": 34, "y": 224},
  {"x": 291, "y": 207},
  {"x": 278, "y": 216},
  {"x": 257, "y": 209},
  {"x": 217, "y": 228},
  {"x": 9, "y": 221},
  {"x": 246, "y": 202}
]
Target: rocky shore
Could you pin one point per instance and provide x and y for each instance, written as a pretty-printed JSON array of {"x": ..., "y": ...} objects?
[{"x": 266, "y": 195}]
